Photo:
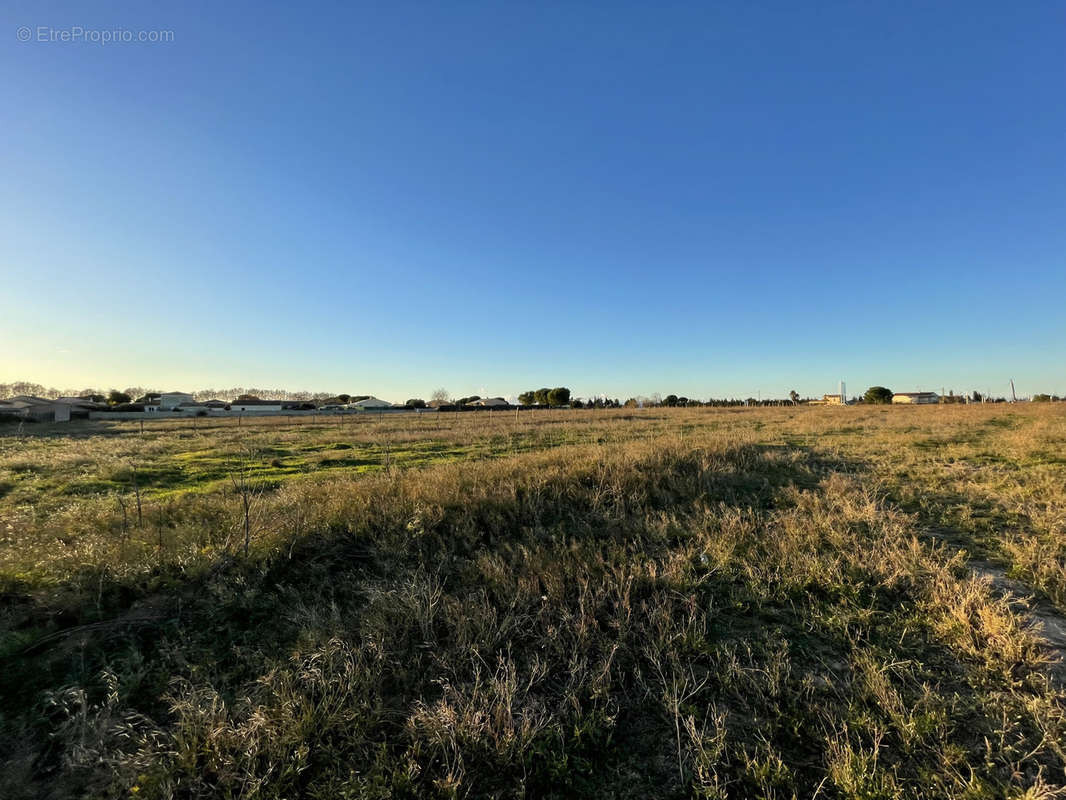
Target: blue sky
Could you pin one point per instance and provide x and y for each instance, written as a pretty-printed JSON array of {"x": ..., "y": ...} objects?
[{"x": 711, "y": 199}]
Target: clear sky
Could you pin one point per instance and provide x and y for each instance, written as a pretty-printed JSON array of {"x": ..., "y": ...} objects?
[{"x": 716, "y": 198}]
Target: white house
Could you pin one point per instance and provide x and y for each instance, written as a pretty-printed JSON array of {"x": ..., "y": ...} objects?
[
  {"x": 491, "y": 402},
  {"x": 255, "y": 405},
  {"x": 370, "y": 403},
  {"x": 171, "y": 400}
]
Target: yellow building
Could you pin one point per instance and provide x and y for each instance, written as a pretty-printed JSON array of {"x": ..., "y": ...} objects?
[
  {"x": 917, "y": 398},
  {"x": 828, "y": 400}
]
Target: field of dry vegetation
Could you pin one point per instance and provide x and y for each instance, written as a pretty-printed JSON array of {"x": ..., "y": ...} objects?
[{"x": 786, "y": 602}]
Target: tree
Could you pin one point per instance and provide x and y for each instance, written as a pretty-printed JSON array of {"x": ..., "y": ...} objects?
[
  {"x": 578, "y": 404},
  {"x": 878, "y": 394},
  {"x": 115, "y": 397},
  {"x": 440, "y": 397},
  {"x": 527, "y": 398},
  {"x": 559, "y": 396},
  {"x": 415, "y": 403},
  {"x": 540, "y": 397},
  {"x": 794, "y": 396},
  {"x": 670, "y": 400},
  {"x": 1041, "y": 398}
]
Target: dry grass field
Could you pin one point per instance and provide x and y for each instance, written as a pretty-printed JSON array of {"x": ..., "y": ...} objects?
[{"x": 796, "y": 602}]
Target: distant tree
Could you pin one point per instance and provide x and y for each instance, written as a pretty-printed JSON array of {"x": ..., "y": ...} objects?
[
  {"x": 415, "y": 403},
  {"x": 878, "y": 394},
  {"x": 20, "y": 387},
  {"x": 540, "y": 397},
  {"x": 1041, "y": 398},
  {"x": 575, "y": 403},
  {"x": 559, "y": 396},
  {"x": 440, "y": 397},
  {"x": 115, "y": 397},
  {"x": 794, "y": 396},
  {"x": 670, "y": 400},
  {"x": 344, "y": 398},
  {"x": 527, "y": 398},
  {"x": 976, "y": 397}
]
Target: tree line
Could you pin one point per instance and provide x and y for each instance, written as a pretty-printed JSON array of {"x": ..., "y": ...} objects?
[
  {"x": 131, "y": 394},
  {"x": 559, "y": 396}
]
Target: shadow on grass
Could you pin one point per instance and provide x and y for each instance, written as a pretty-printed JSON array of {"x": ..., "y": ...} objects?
[{"x": 580, "y": 587}]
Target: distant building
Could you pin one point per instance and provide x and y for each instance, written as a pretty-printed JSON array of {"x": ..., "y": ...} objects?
[
  {"x": 40, "y": 409},
  {"x": 79, "y": 408},
  {"x": 828, "y": 400},
  {"x": 370, "y": 403},
  {"x": 490, "y": 402},
  {"x": 172, "y": 400},
  {"x": 916, "y": 398},
  {"x": 191, "y": 408},
  {"x": 242, "y": 404}
]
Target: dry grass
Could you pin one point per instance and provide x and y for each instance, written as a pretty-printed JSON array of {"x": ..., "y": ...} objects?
[{"x": 671, "y": 603}]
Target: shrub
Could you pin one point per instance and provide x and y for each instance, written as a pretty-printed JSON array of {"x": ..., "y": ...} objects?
[
  {"x": 878, "y": 394},
  {"x": 559, "y": 396}
]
